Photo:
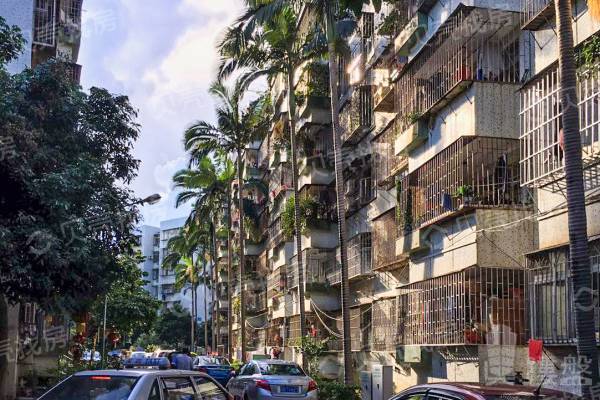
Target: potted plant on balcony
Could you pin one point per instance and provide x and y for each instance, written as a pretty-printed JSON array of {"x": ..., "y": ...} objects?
[{"x": 465, "y": 193}]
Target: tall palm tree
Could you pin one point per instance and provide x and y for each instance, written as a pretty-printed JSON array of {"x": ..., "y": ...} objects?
[
  {"x": 577, "y": 219},
  {"x": 327, "y": 14},
  {"x": 208, "y": 184},
  {"x": 236, "y": 127},
  {"x": 275, "y": 48}
]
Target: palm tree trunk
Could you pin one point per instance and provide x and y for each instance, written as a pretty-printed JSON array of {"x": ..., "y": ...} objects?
[
  {"x": 215, "y": 285},
  {"x": 298, "y": 231},
  {"x": 242, "y": 266},
  {"x": 577, "y": 219},
  {"x": 192, "y": 318},
  {"x": 205, "y": 310},
  {"x": 339, "y": 188},
  {"x": 229, "y": 277}
]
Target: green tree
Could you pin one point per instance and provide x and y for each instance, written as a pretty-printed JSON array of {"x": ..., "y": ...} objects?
[
  {"x": 131, "y": 310},
  {"x": 65, "y": 163},
  {"x": 172, "y": 327},
  {"x": 236, "y": 128}
]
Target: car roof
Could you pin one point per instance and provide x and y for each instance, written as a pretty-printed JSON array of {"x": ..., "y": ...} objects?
[
  {"x": 136, "y": 372},
  {"x": 489, "y": 390},
  {"x": 275, "y": 362}
]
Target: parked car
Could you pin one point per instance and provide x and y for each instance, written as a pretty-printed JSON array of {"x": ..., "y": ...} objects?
[
  {"x": 272, "y": 379},
  {"x": 477, "y": 391},
  {"x": 217, "y": 367},
  {"x": 147, "y": 382},
  {"x": 138, "y": 354}
]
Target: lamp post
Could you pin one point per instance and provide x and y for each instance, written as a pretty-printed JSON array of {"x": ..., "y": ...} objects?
[{"x": 150, "y": 200}]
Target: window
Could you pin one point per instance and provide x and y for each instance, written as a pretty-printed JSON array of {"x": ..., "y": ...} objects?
[
  {"x": 154, "y": 392},
  {"x": 179, "y": 388},
  {"x": 281, "y": 369},
  {"x": 207, "y": 390},
  {"x": 93, "y": 388},
  {"x": 249, "y": 369}
]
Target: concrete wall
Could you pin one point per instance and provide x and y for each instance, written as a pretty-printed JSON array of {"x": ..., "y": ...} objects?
[{"x": 20, "y": 13}]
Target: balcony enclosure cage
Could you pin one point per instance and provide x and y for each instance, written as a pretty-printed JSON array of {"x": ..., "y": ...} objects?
[
  {"x": 315, "y": 329},
  {"x": 317, "y": 262},
  {"x": 551, "y": 309},
  {"x": 72, "y": 10},
  {"x": 384, "y": 235},
  {"x": 474, "y": 44},
  {"x": 542, "y": 155},
  {"x": 318, "y": 204},
  {"x": 474, "y": 306},
  {"x": 359, "y": 188},
  {"x": 536, "y": 13},
  {"x": 280, "y": 180},
  {"x": 384, "y": 332},
  {"x": 356, "y": 117},
  {"x": 44, "y": 23},
  {"x": 256, "y": 301},
  {"x": 386, "y": 163},
  {"x": 360, "y": 255},
  {"x": 474, "y": 171},
  {"x": 276, "y": 283},
  {"x": 276, "y": 234},
  {"x": 360, "y": 328}
]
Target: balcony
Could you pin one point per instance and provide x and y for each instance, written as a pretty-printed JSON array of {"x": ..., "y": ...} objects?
[
  {"x": 316, "y": 264},
  {"x": 360, "y": 328},
  {"x": 413, "y": 32},
  {"x": 315, "y": 161},
  {"x": 256, "y": 302},
  {"x": 471, "y": 307},
  {"x": 542, "y": 161},
  {"x": 386, "y": 163},
  {"x": 360, "y": 256},
  {"x": 276, "y": 234},
  {"x": 471, "y": 45},
  {"x": 317, "y": 207},
  {"x": 384, "y": 236},
  {"x": 276, "y": 283},
  {"x": 384, "y": 333},
  {"x": 413, "y": 136},
  {"x": 536, "y": 14},
  {"x": 44, "y": 23},
  {"x": 280, "y": 180},
  {"x": 360, "y": 191},
  {"x": 361, "y": 44},
  {"x": 312, "y": 95},
  {"x": 356, "y": 118},
  {"x": 473, "y": 172},
  {"x": 314, "y": 327},
  {"x": 551, "y": 309}
]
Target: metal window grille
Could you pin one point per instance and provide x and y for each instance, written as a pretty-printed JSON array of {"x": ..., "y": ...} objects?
[
  {"x": 474, "y": 306},
  {"x": 484, "y": 168},
  {"x": 542, "y": 155},
  {"x": 360, "y": 255},
  {"x": 324, "y": 210},
  {"x": 73, "y": 11},
  {"x": 384, "y": 235},
  {"x": 276, "y": 283},
  {"x": 384, "y": 330},
  {"x": 532, "y": 10},
  {"x": 551, "y": 314},
  {"x": 317, "y": 264},
  {"x": 360, "y": 328},
  {"x": 28, "y": 312},
  {"x": 386, "y": 163},
  {"x": 356, "y": 118},
  {"x": 474, "y": 44},
  {"x": 44, "y": 23}
]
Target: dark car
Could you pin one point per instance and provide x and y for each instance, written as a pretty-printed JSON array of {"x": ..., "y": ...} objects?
[
  {"x": 477, "y": 391},
  {"x": 216, "y": 367}
]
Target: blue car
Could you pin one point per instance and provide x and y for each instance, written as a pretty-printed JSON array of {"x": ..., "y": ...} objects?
[{"x": 217, "y": 368}]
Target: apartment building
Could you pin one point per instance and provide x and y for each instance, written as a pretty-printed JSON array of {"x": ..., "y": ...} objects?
[
  {"x": 52, "y": 29},
  {"x": 454, "y": 186},
  {"x": 551, "y": 311},
  {"x": 148, "y": 246}
]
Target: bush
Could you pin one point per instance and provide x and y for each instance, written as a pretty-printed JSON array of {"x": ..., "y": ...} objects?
[{"x": 334, "y": 390}]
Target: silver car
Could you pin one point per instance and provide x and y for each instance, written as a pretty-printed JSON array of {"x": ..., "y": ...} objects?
[
  {"x": 138, "y": 384},
  {"x": 272, "y": 380}
]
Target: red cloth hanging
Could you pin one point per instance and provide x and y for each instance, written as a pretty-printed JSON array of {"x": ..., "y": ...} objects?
[{"x": 535, "y": 350}]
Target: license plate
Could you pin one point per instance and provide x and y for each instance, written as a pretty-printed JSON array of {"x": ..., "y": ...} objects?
[{"x": 289, "y": 389}]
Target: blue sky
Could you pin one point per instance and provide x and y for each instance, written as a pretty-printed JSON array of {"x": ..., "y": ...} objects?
[{"x": 161, "y": 53}]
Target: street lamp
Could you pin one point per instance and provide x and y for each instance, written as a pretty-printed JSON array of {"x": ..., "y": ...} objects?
[{"x": 150, "y": 200}]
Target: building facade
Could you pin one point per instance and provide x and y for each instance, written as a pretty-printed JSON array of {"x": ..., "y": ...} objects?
[{"x": 454, "y": 187}]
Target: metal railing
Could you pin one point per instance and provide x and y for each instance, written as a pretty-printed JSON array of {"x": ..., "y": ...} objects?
[
  {"x": 360, "y": 255},
  {"x": 356, "y": 118},
  {"x": 383, "y": 236},
  {"x": 531, "y": 9},
  {"x": 317, "y": 263},
  {"x": 386, "y": 164},
  {"x": 44, "y": 23}
]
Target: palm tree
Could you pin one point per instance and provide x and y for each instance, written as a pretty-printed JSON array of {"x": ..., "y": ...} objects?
[
  {"x": 208, "y": 184},
  {"x": 327, "y": 13},
  {"x": 578, "y": 238},
  {"x": 276, "y": 48},
  {"x": 235, "y": 129}
]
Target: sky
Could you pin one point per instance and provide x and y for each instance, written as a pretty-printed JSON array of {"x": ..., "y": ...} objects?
[{"x": 161, "y": 53}]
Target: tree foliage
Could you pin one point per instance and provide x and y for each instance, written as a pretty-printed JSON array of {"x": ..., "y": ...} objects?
[
  {"x": 173, "y": 327},
  {"x": 65, "y": 158}
]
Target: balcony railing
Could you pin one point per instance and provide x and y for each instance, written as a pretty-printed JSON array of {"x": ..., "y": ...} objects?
[
  {"x": 384, "y": 331},
  {"x": 360, "y": 328},
  {"x": 474, "y": 171},
  {"x": 536, "y": 13},
  {"x": 386, "y": 163},
  {"x": 542, "y": 154},
  {"x": 384, "y": 235},
  {"x": 257, "y": 302},
  {"x": 318, "y": 206},
  {"x": 472, "y": 45},
  {"x": 280, "y": 180},
  {"x": 356, "y": 118},
  {"x": 276, "y": 283},
  {"x": 276, "y": 233},
  {"x": 44, "y": 23},
  {"x": 474, "y": 306},
  {"x": 317, "y": 262},
  {"x": 360, "y": 256},
  {"x": 359, "y": 189},
  {"x": 314, "y": 327},
  {"x": 551, "y": 308}
]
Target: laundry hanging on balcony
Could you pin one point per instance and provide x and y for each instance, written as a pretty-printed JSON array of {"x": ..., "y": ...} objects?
[{"x": 535, "y": 350}]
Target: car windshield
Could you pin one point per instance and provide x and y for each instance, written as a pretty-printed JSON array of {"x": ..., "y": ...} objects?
[
  {"x": 281, "y": 369},
  {"x": 212, "y": 361},
  {"x": 93, "y": 388}
]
